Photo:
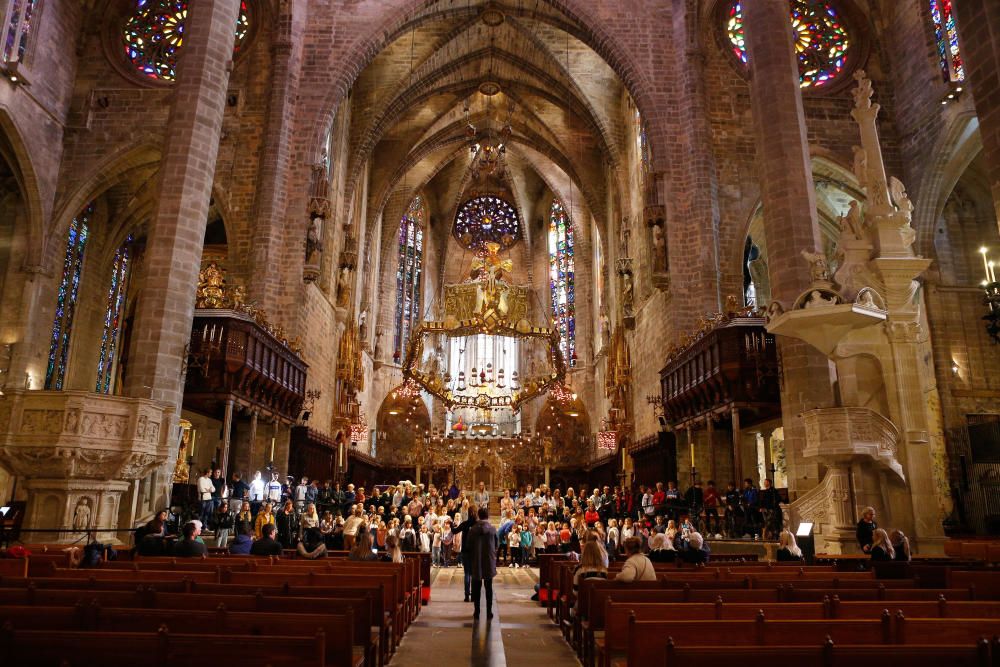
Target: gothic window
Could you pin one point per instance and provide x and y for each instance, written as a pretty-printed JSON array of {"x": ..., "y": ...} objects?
[
  {"x": 411, "y": 251},
  {"x": 750, "y": 253},
  {"x": 19, "y": 25},
  {"x": 946, "y": 34},
  {"x": 642, "y": 143},
  {"x": 114, "y": 314},
  {"x": 154, "y": 34},
  {"x": 561, "y": 279},
  {"x": 821, "y": 38},
  {"x": 486, "y": 219},
  {"x": 66, "y": 298}
]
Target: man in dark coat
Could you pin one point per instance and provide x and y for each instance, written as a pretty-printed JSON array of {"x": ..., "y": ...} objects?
[
  {"x": 463, "y": 529},
  {"x": 482, "y": 556}
]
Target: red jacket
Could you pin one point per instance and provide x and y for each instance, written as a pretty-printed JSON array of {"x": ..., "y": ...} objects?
[{"x": 591, "y": 516}]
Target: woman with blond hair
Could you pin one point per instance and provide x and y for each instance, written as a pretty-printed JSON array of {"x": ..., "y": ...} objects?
[
  {"x": 881, "y": 546},
  {"x": 393, "y": 553},
  {"x": 788, "y": 550},
  {"x": 264, "y": 517},
  {"x": 901, "y": 544},
  {"x": 591, "y": 566},
  {"x": 354, "y": 523}
]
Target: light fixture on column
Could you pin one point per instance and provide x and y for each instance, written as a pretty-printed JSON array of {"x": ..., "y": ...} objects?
[{"x": 992, "y": 297}]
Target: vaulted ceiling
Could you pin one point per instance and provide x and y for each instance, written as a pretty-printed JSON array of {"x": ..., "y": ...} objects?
[{"x": 411, "y": 106}]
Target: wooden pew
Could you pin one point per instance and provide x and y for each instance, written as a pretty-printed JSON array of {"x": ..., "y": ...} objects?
[
  {"x": 367, "y": 632},
  {"x": 647, "y": 640},
  {"x": 42, "y": 648},
  {"x": 338, "y": 629},
  {"x": 985, "y": 584},
  {"x": 619, "y": 608},
  {"x": 941, "y": 608},
  {"x": 793, "y": 594},
  {"x": 943, "y": 630},
  {"x": 382, "y": 602},
  {"x": 831, "y": 654},
  {"x": 393, "y": 599}
]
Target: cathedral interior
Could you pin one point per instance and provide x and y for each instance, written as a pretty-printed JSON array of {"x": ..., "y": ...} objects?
[{"x": 502, "y": 241}]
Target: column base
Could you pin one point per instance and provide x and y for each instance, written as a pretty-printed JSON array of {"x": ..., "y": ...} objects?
[{"x": 72, "y": 508}]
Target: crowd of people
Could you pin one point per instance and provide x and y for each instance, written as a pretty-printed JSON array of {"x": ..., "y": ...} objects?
[{"x": 265, "y": 517}]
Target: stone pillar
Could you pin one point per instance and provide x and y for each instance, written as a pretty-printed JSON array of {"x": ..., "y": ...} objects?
[
  {"x": 693, "y": 209},
  {"x": 227, "y": 438},
  {"x": 789, "y": 203},
  {"x": 271, "y": 221},
  {"x": 737, "y": 457},
  {"x": 177, "y": 231},
  {"x": 979, "y": 32}
]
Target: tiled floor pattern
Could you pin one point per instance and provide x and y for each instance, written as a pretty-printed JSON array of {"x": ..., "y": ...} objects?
[{"x": 445, "y": 634}]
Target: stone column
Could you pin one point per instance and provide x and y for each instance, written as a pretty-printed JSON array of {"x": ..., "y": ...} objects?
[
  {"x": 177, "y": 231},
  {"x": 692, "y": 227},
  {"x": 789, "y": 203},
  {"x": 979, "y": 32},
  {"x": 272, "y": 219}
]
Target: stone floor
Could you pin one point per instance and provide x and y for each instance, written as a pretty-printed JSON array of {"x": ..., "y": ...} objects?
[{"x": 520, "y": 633}]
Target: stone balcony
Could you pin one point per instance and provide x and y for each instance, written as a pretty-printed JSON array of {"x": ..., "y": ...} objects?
[
  {"x": 839, "y": 435},
  {"x": 76, "y": 452}
]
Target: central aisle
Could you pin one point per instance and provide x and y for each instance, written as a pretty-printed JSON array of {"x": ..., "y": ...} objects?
[{"x": 444, "y": 635}]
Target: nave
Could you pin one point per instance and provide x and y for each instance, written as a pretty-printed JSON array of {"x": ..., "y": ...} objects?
[{"x": 520, "y": 633}]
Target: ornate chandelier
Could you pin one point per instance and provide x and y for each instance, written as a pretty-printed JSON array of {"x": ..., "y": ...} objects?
[
  {"x": 487, "y": 305},
  {"x": 487, "y": 146}
]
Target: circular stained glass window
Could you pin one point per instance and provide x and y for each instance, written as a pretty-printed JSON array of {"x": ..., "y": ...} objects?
[
  {"x": 487, "y": 218},
  {"x": 153, "y": 35},
  {"x": 821, "y": 37}
]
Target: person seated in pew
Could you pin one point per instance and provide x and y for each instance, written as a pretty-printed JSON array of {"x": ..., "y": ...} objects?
[
  {"x": 881, "y": 549},
  {"x": 311, "y": 546},
  {"x": 243, "y": 541},
  {"x": 266, "y": 545},
  {"x": 901, "y": 544},
  {"x": 362, "y": 549},
  {"x": 637, "y": 566},
  {"x": 190, "y": 546},
  {"x": 592, "y": 566},
  {"x": 697, "y": 552},
  {"x": 661, "y": 550},
  {"x": 393, "y": 551},
  {"x": 788, "y": 549}
]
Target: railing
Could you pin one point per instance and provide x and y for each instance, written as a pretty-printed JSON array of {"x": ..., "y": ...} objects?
[
  {"x": 735, "y": 364},
  {"x": 232, "y": 356}
]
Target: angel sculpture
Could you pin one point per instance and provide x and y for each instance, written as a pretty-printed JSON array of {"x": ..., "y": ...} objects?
[{"x": 819, "y": 269}]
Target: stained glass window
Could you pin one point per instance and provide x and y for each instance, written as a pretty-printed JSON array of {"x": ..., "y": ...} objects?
[
  {"x": 642, "y": 143},
  {"x": 154, "y": 34},
  {"x": 18, "y": 29},
  {"x": 821, "y": 39},
  {"x": 946, "y": 33},
  {"x": 487, "y": 218},
  {"x": 113, "y": 316},
  {"x": 411, "y": 251},
  {"x": 62, "y": 326},
  {"x": 561, "y": 279}
]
